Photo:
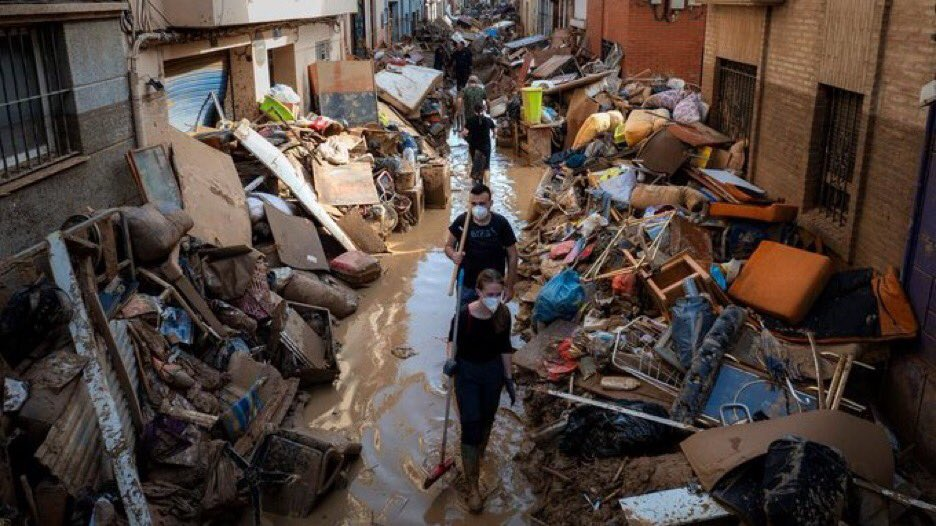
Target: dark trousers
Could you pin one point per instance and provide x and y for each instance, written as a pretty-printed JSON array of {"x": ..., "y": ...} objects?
[
  {"x": 478, "y": 388},
  {"x": 480, "y": 161}
]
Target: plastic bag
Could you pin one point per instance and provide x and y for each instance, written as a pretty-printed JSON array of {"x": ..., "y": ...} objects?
[
  {"x": 804, "y": 483},
  {"x": 605, "y": 433},
  {"x": 284, "y": 94},
  {"x": 561, "y": 297}
]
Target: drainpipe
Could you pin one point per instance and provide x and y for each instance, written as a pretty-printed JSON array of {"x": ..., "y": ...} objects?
[{"x": 136, "y": 93}]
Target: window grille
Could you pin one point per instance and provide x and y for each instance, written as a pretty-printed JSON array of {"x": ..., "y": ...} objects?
[
  {"x": 732, "y": 111},
  {"x": 35, "y": 100},
  {"x": 323, "y": 50},
  {"x": 838, "y": 114}
]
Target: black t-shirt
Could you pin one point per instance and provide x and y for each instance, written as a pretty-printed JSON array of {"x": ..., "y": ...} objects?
[
  {"x": 478, "y": 341},
  {"x": 462, "y": 59},
  {"x": 479, "y": 132},
  {"x": 485, "y": 247}
]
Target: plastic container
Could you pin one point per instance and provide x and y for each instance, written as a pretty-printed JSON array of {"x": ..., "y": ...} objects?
[
  {"x": 276, "y": 110},
  {"x": 532, "y": 105}
]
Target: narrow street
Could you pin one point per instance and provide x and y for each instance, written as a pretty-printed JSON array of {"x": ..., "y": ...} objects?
[{"x": 396, "y": 407}]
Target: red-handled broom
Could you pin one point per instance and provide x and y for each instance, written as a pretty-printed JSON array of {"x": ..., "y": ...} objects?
[{"x": 446, "y": 464}]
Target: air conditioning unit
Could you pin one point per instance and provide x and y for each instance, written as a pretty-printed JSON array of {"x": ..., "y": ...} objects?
[
  {"x": 677, "y": 4},
  {"x": 656, "y": 2}
]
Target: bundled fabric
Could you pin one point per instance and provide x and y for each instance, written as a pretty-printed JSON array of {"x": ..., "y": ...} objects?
[
  {"x": 560, "y": 298},
  {"x": 645, "y": 195},
  {"x": 595, "y": 124},
  {"x": 641, "y": 124},
  {"x": 155, "y": 233},
  {"x": 324, "y": 291},
  {"x": 686, "y": 105},
  {"x": 692, "y": 318},
  {"x": 595, "y": 431},
  {"x": 705, "y": 364}
]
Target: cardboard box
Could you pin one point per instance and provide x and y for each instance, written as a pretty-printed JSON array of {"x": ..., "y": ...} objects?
[{"x": 437, "y": 179}]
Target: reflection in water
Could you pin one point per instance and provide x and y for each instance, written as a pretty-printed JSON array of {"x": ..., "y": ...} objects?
[{"x": 396, "y": 407}]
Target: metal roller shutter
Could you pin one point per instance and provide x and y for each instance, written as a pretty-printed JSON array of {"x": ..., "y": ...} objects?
[{"x": 189, "y": 84}]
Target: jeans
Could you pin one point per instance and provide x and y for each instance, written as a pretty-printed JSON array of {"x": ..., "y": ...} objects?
[{"x": 478, "y": 388}]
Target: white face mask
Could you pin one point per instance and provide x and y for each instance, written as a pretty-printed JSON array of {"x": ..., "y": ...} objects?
[
  {"x": 491, "y": 303},
  {"x": 480, "y": 212}
]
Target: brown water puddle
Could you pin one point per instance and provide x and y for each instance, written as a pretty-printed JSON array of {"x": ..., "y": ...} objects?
[{"x": 396, "y": 407}]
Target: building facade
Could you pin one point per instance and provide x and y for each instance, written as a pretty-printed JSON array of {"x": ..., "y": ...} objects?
[
  {"x": 85, "y": 82},
  {"x": 65, "y": 116},
  {"x": 827, "y": 93},
  {"x": 665, "y": 37}
]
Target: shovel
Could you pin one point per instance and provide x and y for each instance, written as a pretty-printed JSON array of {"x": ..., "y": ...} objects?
[{"x": 446, "y": 464}]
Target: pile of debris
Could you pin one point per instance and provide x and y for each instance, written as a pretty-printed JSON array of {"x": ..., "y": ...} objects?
[
  {"x": 153, "y": 355},
  {"x": 682, "y": 329}
]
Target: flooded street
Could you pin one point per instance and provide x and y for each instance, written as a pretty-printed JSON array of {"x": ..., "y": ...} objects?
[{"x": 395, "y": 407}]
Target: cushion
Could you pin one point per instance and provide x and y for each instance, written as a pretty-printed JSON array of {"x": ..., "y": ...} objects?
[
  {"x": 781, "y": 281},
  {"x": 773, "y": 213}
]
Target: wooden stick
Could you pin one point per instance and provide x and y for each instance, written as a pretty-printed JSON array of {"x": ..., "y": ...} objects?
[
  {"x": 843, "y": 381},
  {"x": 461, "y": 248},
  {"x": 815, "y": 355},
  {"x": 893, "y": 495},
  {"x": 555, "y": 473},
  {"x": 625, "y": 411},
  {"x": 836, "y": 377}
]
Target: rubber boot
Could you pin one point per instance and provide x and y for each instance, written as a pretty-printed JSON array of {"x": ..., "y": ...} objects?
[{"x": 472, "y": 462}]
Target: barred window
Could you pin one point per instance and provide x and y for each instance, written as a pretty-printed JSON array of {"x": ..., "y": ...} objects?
[
  {"x": 834, "y": 148},
  {"x": 323, "y": 50},
  {"x": 732, "y": 109},
  {"x": 35, "y": 100}
]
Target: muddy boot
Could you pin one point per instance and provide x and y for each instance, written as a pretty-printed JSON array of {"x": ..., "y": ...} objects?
[{"x": 472, "y": 462}]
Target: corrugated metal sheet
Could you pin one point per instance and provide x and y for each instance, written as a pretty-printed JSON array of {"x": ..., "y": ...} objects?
[
  {"x": 76, "y": 450},
  {"x": 189, "y": 83}
]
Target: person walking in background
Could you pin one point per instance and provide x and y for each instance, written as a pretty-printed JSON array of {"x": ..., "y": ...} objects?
[
  {"x": 478, "y": 357},
  {"x": 473, "y": 94},
  {"x": 462, "y": 64},
  {"x": 477, "y": 132},
  {"x": 440, "y": 60}
]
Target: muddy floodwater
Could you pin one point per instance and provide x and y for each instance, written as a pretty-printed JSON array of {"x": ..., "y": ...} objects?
[{"x": 395, "y": 406}]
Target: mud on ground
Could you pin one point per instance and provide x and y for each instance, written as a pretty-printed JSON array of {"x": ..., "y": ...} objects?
[{"x": 561, "y": 483}]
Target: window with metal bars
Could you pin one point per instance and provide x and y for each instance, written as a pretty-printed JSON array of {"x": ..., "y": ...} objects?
[
  {"x": 35, "y": 100},
  {"x": 732, "y": 110},
  {"x": 834, "y": 148},
  {"x": 323, "y": 50}
]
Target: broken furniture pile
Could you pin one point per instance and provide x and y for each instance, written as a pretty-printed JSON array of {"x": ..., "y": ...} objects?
[
  {"x": 153, "y": 355},
  {"x": 681, "y": 327}
]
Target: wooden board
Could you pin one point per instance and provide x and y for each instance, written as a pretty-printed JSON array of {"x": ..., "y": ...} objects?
[
  {"x": 211, "y": 192},
  {"x": 297, "y": 241},
  {"x": 405, "y": 88},
  {"x": 345, "y": 90},
  {"x": 343, "y": 185}
]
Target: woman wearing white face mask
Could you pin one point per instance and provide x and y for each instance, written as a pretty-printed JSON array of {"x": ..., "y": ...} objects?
[{"x": 481, "y": 366}]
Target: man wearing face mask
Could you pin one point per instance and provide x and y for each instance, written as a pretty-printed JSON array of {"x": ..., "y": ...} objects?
[{"x": 491, "y": 244}]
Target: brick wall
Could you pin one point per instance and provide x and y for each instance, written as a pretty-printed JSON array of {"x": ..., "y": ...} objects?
[
  {"x": 908, "y": 57},
  {"x": 663, "y": 47},
  {"x": 900, "y": 59}
]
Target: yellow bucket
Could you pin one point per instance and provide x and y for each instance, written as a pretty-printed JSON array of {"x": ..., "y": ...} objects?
[{"x": 532, "y": 105}]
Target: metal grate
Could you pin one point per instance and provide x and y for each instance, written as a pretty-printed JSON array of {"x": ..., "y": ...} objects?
[
  {"x": 839, "y": 112},
  {"x": 733, "y": 108},
  {"x": 35, "y": 98}
]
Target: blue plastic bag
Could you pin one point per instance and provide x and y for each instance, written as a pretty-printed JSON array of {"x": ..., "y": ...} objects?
[{"x": 561, "y": 297}]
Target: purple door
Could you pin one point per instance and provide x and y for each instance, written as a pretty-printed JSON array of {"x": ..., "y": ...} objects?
[{"x": 920, "y": 265}]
